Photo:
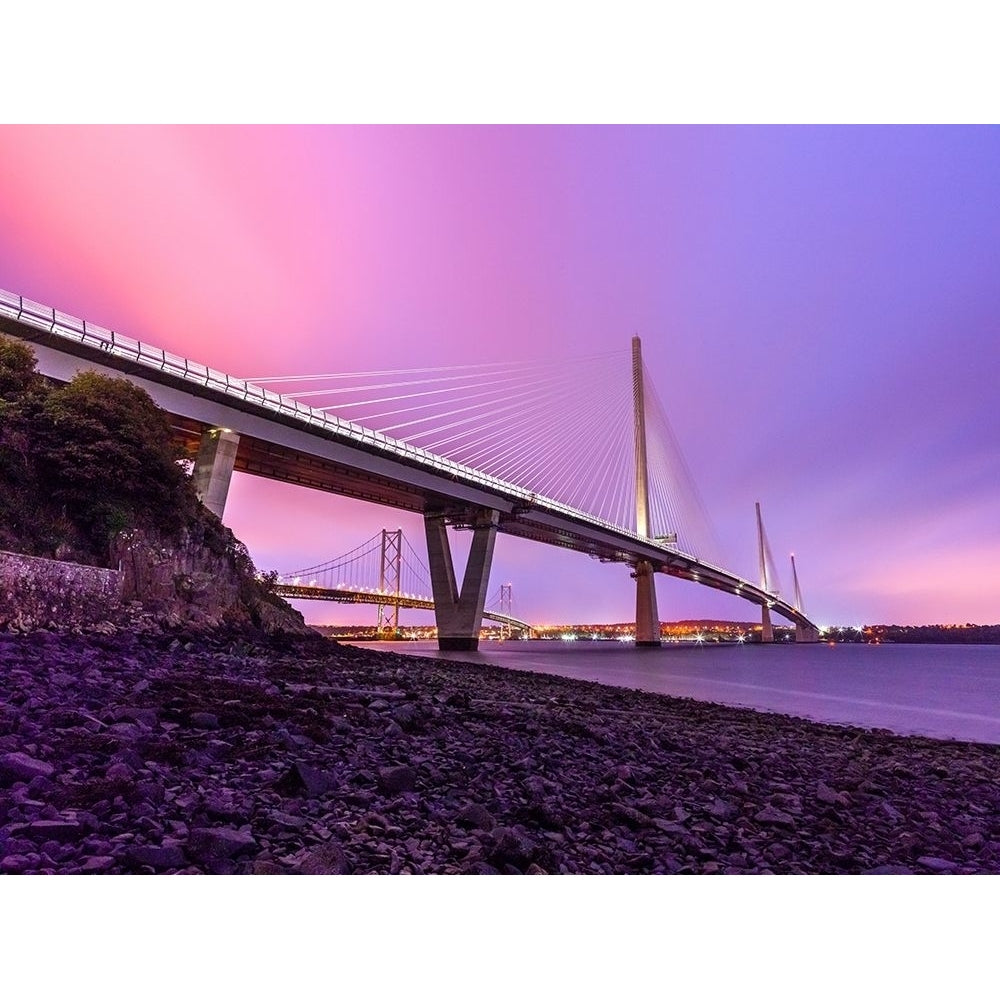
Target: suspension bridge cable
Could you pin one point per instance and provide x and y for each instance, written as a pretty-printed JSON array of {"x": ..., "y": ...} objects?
[
  {"x": 381, "y": 373},
  {"x": 355, "y": 553}
]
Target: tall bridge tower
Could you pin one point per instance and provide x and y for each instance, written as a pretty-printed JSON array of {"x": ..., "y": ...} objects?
[
  {"x": 795, "y": 584},
  {"x": 390, "y": 580},
  {"x": 647, "y": 618},
  {"x": 506, "y": 607},
  {"x": 766, "y": 629}
]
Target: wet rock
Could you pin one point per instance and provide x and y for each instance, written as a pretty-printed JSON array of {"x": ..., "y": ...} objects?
[
  {"x": 204, "y": 720},
  {"x": 14, "y": 864},
  {"x": 208, "y": 843},
  {"x": 97, "y": 865},
  {"x": 510, "y": 846},
  {"x": 826, "y": 795},
  {"x": 313, "y": 781},
  {"x": 159, "y": 858},
  {"x": 20, "y": 767},
  {"x": 406, "y": 717},
  {"x": 42, "y": 830},
  {"x": 268, "y": 868},
  {"x": 936, "y": 864},
  {"x": 119, "y": 771},
  {"x": 476, "y": 816},
  {"x": 769, "y": 814},
  {"x": 480, "y": 868},
  {"x": 721, "y": 809},
  {"x": 891, "y": 811},
  {"x": 394, "y": 780},
  {"x": 324, "y": 859},
  {"x": 630, "y": 816},
  {"x": 41, "y": 787}
]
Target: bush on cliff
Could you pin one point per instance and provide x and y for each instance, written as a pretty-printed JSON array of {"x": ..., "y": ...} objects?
[
  {"x": 81, "y": 462},
  {"x": 91, "y": 471}
]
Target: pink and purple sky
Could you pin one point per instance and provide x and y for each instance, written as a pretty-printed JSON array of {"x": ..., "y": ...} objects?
[{"x": 818, "y": 306}]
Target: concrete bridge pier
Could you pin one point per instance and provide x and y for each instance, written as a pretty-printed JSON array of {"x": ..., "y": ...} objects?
[
  {"x": 806, "y": 633},
  {"x": 459, "y": 615},
  {"x": 647, "y": 617},
  {"x": 766, "y": 629},
  {"x": 213, "y": 467}
]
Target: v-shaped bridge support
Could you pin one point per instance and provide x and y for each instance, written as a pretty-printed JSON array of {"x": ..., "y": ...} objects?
[{"x": 459, "y": 614}]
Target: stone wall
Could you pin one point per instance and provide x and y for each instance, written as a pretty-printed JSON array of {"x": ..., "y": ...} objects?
[
  {"x": 159, "y": 585},
  {"x": 46, "y": 593}
]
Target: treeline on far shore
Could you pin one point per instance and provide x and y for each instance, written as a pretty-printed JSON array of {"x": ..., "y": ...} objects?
[{"x": 966, "y": 634}]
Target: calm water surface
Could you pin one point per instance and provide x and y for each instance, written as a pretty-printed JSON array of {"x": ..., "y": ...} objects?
[{"x": 950, "y": 692}]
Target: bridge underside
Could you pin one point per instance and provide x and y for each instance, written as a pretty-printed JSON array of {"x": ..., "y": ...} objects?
[{"x": 273, "y": 461}]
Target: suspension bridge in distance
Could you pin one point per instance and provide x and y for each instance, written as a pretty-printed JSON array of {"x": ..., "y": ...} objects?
[
  {"x": 388, "y": 572},
  {"x": 579, "y": 456}
]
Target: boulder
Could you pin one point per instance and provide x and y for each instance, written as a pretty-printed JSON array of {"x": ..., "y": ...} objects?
[
  {"x": 155, "y": 857},
  {"x": 476, "y": 816},
  {"x": 212, "y": 843},
  {"x": 771, "y": 815},
  {"x": 395, "y": 780},
  {"x": 936, "y": 864},
  {"x": 324, "y": 859},
  {"x": 302, "y": 777},
  {"x": 19, "y": 766}
]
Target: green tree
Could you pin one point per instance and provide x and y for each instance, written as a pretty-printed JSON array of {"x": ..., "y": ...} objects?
[
  {"x": 107, "y": 454},
  {"x": 18, "y": 378},
  {"x": 22, "y": 391}
]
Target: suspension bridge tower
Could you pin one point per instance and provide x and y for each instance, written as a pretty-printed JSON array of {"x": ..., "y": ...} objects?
[
  {"x": 390, "y": 581},
  {"x": 506, "y": 608},
  {"x": 647, "y": 618}
]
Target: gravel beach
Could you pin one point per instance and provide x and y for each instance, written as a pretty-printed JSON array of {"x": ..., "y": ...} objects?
[{"x": 236, "y": 754}]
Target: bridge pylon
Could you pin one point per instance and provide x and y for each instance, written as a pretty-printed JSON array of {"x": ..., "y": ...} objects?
[
  {"x": 213, "y": 467},
  {"x": 803, "y": 633},
  {"x": 647, "y": 617},
  {"x": 459, "y": 614},
  {"x": 390, "y": 580},
  {"x": 766, "y": 629}
]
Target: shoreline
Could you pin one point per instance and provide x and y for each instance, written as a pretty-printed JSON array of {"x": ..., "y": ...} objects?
[{"x": 242, "y": 754}]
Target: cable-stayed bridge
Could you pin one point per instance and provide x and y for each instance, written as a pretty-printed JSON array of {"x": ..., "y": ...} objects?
[
  {"x": 388, "y": 572},
  {"x": 575, "y": 455}
]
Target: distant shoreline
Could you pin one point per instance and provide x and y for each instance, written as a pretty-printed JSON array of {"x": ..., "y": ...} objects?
[{"x": 712, "y": 631}]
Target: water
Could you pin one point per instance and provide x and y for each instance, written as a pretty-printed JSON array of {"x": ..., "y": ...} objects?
[{"x": 949, "y": 692}]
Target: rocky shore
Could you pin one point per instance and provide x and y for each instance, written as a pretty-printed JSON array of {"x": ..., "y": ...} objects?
[{"x": 237, "y": 753}]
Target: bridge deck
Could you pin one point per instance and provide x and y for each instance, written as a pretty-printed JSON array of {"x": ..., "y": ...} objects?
[
  {"x": 345, "y": 595},
  {"x": 286, "y": 440}
]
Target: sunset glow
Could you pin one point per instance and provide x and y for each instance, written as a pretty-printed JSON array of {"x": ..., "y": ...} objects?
[{"x": 818, "y": 308}]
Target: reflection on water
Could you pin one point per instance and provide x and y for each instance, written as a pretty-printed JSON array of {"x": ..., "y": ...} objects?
[{"x": 942, "y": 691}]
